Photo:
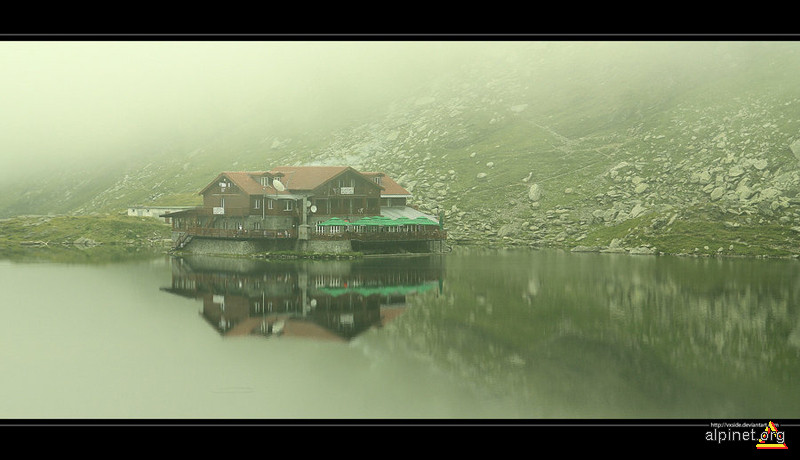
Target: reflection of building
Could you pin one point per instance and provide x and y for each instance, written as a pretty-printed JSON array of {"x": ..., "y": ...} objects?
[{"x": 322, "y": 300}]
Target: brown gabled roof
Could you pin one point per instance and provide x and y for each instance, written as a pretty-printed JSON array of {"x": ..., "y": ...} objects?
[
  {"x": 390, "y": 187},
  {"x": 301, "y": 178},
  {"x": 310, "y": 177},
  {"x": 247, "y": 182}
]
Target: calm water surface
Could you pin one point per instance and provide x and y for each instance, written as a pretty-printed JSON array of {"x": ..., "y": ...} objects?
[{"x": 470, "y": 334}]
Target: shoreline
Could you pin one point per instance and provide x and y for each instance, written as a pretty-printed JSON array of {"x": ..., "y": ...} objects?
[
  {"x": 109, "y": 237},
  {"x": 112, "y": 250}
]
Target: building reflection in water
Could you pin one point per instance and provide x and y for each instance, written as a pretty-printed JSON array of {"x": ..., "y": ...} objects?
[{"x": 325, "y": 300}]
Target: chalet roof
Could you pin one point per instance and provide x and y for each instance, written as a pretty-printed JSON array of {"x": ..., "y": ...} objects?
[
  {"x": 247, "y": 182},
  {"x": 390, "y": 187},
  {"x": 302, "y": 178},
  {"x": 310, "y": 177}
]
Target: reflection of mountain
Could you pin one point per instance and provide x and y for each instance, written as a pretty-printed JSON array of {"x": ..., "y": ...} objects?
[
  {"x": 321, "y": 300},
  {"x": 607, "y": 335}
]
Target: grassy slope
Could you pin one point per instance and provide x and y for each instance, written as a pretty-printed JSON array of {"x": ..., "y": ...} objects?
[{"x": 114, "y": 238}]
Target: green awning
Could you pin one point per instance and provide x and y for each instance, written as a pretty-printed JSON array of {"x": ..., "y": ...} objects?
[
  {"x": 363, "y": 221},
  {"x": 335, "y": 221},
  {"x": 424, "y": 221}
]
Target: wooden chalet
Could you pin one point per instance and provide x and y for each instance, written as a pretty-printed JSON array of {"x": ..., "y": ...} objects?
[{"x": 289, "y": 202}]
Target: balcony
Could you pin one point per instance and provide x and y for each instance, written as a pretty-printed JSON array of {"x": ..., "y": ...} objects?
[
  {"x": 241, "y": 234},
  {"x": 383, "y": 236},
  {"x": 229, "y": 211}
]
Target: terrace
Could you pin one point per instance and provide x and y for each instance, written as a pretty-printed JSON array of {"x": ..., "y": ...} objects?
[{"x": 379, "y": 229}]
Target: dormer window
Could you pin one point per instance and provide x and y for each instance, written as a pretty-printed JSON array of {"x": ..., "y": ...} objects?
[
  {"x": 266, "y": 181},
  {"x": 378, "y": 180}
]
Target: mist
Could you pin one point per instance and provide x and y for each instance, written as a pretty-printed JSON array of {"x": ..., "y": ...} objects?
[
  {"x": 75, "y": 103},
  {"x": 67, "y": 102}
]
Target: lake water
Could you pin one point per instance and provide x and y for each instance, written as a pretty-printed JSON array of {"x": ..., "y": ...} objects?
[{"x": 478, "y": 334}]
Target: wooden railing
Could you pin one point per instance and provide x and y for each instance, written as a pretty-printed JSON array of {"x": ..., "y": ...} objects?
[
  {"x": 382, "y": 236},
  {"x": 243, "y": 234},
  {"x": 435, "y": 234}
]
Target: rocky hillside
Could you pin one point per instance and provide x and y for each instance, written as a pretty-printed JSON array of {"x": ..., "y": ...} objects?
[{"x": 694, "y": 151}]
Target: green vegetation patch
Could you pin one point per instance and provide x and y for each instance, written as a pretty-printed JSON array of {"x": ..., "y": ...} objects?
[
  {"x": 82, "y": 239},
  {"x": 701, "y": 235},
  {"x": 710, "y": 237}
]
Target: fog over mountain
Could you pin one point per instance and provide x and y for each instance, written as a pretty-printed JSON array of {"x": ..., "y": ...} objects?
[
  {"x": 519, "y": 142},
  {"x": 67, "y": 102}
]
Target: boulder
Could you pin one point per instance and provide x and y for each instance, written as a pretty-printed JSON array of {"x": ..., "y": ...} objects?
[
  {"x": 535, "y": 192},
  {"x": 769, "y": 193},
  {"x": 83, "y": 241},
  {"x": 585, "y": 249},
  {"x": 795, "y": 147},
  {"x": 736, "y": 171},
  {"x": 637, "y": 211},
  {"x": 744, "y": 192},
  {"x": 610, "y": 215}
]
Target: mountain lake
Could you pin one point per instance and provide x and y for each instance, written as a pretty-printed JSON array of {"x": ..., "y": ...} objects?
[{"x": 470, "y": 334}]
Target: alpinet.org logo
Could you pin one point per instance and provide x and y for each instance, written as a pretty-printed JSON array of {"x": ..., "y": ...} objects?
[{"x": 771, "y": 438}]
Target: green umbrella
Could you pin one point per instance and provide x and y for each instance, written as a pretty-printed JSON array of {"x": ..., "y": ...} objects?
[{"x": 363, "y": 221}]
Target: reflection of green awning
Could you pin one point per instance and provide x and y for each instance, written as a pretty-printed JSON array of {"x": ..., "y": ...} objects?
[{"x": 379, "y": 290}]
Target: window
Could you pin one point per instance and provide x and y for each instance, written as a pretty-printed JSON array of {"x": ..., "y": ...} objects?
[
  {"x": 257, "y": 204},
  {"x": 265, "y": 181},
  {"x": 269, "y": 204},
  {"x": 378, "y": 180},
  {"x": 287, "y": 205},
  {"x": 222, "y": 202},
  {"x": 256, "y": 225}
]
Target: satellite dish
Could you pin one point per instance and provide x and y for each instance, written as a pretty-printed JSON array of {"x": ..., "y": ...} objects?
[
  {"x": 313, "y": 209},
  {"x": 278, "y": 186}
]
